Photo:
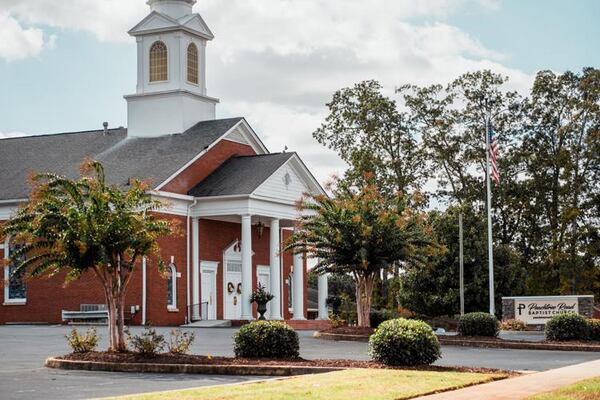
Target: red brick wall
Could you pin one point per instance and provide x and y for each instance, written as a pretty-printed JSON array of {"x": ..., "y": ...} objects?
[{"x": 205, "y": 165}]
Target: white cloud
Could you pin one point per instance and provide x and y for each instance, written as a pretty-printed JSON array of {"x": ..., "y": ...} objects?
[
  {"x": 17, "y": 42},
  {"x": 277, "y": 62}
]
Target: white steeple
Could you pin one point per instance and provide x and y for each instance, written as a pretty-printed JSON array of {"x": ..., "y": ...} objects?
[{"x": 171, "y": 83}]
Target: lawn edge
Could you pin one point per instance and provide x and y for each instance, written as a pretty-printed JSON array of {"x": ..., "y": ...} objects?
[{"x": 516, "y": 345}]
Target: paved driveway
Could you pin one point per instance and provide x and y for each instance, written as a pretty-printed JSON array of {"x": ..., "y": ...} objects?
[{"x": 23, "y": 349}]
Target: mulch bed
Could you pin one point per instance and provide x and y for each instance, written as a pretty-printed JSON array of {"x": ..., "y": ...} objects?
[
  {"x": 133, "y": 358},
  {"x": 350, "y": 330}
]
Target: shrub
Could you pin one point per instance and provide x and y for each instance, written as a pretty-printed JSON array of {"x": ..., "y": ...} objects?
[
  {"x": 148, "y": 343},
  {"x": 567, "y": 327},
  {"x": 83, "y": 343},
  {"x": 266, "y": 339},
  {"x": 180, "y": 342},
  {"x": 513, "y": 325},
  {"x": 594, "y": 329},
  {"x": 478, "y": 324},
  {"x": 404, "y": 342},
  {"x": 379, "y": 316}
]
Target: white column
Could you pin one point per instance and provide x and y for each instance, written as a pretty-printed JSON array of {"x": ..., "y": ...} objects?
[
  {"x": 246, "y": 267},
  {"x": 323, "y": 312},
  {"x": 195, "y": 268},
  {"x": 275, "y": 269},
  {"x": 298, "y": 292},
  {"x": 144, "y": 295}
]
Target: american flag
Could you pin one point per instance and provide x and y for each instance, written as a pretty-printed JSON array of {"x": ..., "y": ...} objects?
[{"x": 493, "y": 156}]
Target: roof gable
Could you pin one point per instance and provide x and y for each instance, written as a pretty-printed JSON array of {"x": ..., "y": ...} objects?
[
  {"x": 196, "y": 23},
  {"x": 158, "y": 22},
  {"x": 154, "y": 21}
]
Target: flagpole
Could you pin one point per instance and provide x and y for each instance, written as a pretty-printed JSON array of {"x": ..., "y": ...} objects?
[{"x": 489, "y": 215}]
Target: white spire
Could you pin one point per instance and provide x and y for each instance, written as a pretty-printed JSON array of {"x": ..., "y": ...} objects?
[{"x": 173, "y": 8}]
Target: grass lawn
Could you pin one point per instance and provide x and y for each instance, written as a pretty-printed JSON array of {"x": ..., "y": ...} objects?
[
  {"x": 373, "y": 384},
  {"x": 584, "y": 390}
]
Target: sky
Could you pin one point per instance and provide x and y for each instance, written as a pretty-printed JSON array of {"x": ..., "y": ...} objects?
[{"x": 65, "y": 65}]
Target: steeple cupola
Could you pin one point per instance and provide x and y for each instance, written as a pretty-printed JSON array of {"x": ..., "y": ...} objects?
[
  {"x": 173, "y": 8},
  {"x": 171, "y": 93}
]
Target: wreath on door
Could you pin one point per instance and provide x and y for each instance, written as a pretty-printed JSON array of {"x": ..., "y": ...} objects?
[
  {"x": 239, "y": 288},
  {"x": 230, "y": 288}
]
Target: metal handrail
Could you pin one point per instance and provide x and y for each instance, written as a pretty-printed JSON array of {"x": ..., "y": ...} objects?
[{"x": 198, "y": 312}]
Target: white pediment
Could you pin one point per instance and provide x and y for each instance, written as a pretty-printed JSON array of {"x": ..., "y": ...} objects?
[
  {"x": 153, "y": 22},
  {"x": 195, "y": 23},
  {"x": 289, "y": 183}
]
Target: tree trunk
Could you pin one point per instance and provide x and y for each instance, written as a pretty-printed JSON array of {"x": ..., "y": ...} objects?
[{"x": 364, "y": 298}]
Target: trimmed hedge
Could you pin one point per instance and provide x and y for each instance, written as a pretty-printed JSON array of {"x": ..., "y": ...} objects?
[
  {"x": 266, "y": 339},
  {"x": 594, "y": 326},
  {"x": 404, "y": 342},
  {"x": 565, "y": 327},
  {"x": 478, "y": 324}
]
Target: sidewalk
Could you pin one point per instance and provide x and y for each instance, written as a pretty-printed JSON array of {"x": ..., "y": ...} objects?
[{"x": 523, "y": 386}]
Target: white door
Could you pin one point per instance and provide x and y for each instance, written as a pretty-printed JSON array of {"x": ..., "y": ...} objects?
[
  {"x": 233, "y": 289},
  {"x": 209, "y": 290},
  {"x": 264, "y": 279}
]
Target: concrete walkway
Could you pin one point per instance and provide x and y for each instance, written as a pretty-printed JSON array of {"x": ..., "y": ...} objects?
[{"x": 524, "y": 386}]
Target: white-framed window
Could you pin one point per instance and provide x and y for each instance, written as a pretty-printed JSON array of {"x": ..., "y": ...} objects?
[
  {"x": 159, "y": 64},
  {"x": 192, "y": 63},
  {"x": 172, "y": 287},
  {"x": 15, "y": 292}
]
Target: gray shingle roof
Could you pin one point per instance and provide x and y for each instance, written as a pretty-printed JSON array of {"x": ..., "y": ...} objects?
[
  {"x": 155, "y": 159},
  {"x": 240, "y": 175}
]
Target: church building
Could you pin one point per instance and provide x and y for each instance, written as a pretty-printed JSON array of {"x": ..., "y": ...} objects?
[{"x": 234, "y": 200}]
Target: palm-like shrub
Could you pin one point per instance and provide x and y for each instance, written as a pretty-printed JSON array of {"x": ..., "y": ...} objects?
[
  {"x": 87, "y": 225},
  {"x": 362, "y": 233},
  {"x": 567, "y": 327},
  {"x": 404, "y": 342},
  {"x": 266, "y": 339},
  {"x": 478, "y": 324}
]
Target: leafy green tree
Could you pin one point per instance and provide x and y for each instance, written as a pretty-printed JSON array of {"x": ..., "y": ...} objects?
[
  {"x": 361, "y": 234},
  {"x": 562, "y": 142},
  {"x": 76, "y": 226},
  {"x": 433, "y": 289},
  {"x": 369, "y": 132}
]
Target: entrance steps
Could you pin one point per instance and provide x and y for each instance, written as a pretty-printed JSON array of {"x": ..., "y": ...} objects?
[{"x": 209, "y": 324}]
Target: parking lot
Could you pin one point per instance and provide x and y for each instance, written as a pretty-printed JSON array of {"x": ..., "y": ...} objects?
[{"x": 23, "y": 350}]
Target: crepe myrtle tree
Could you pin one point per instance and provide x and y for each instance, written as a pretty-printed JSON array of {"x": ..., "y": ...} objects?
[
  {"x": 362, "y": 233},
  {"x": 75, "y": 226}
]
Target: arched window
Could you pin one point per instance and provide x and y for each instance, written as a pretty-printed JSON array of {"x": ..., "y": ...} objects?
[
  {"x": 192, "y": 63},
  {"x": 15, "y": 291},
  {"x": 158, "y": 62},
  {"x": 172, "y": 286}
]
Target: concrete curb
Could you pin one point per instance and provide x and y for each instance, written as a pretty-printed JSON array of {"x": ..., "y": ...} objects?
[
  {"x": 517, "y": 345},
  {"x": 246, "y": 370}
]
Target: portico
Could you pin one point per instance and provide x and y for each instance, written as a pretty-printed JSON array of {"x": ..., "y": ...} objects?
[{"x": 259, "y": 219}]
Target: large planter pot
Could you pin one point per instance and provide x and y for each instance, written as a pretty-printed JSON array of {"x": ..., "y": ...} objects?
[{"x": 262, "y": 309}]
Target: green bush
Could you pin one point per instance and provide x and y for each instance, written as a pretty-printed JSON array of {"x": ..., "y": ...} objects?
[
  {"x": 83, "y": 343},
  {"x": 404, "y": 342},
  {"x": 148, "y": 343},
  {"x": 594, "y": 329},
  {"x": 478, "y": 324},
  {"x": 266, "y": 339},
  {"x": 567, "y": 327},
  {"x": 379, "y": 316},
  {"x": 180, "y": 342}
]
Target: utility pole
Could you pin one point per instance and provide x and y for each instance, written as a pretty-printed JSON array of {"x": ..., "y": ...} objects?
[{"x": 462, "y": 264}]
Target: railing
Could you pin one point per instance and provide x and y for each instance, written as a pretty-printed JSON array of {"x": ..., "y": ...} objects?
[{"x": 198, "y": 312}]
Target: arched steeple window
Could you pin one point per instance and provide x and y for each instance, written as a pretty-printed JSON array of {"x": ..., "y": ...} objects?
[
  {"x": 159, "y": 62},
  {"x": 192, "y": 63}
]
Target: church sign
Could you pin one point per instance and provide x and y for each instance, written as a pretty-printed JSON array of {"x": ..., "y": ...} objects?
[{"x": 537, "y": 310}]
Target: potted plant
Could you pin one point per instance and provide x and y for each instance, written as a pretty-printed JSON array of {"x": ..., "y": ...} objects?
[{"x": 261, "y": 297}]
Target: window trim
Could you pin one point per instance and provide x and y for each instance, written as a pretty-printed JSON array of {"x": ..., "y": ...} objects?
[
  {"x": 172, "y": 303},
  {"x": 150, "y": 81},
  {"x": 187, "y": 75},
  {"x": 7, "y": 300}
]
